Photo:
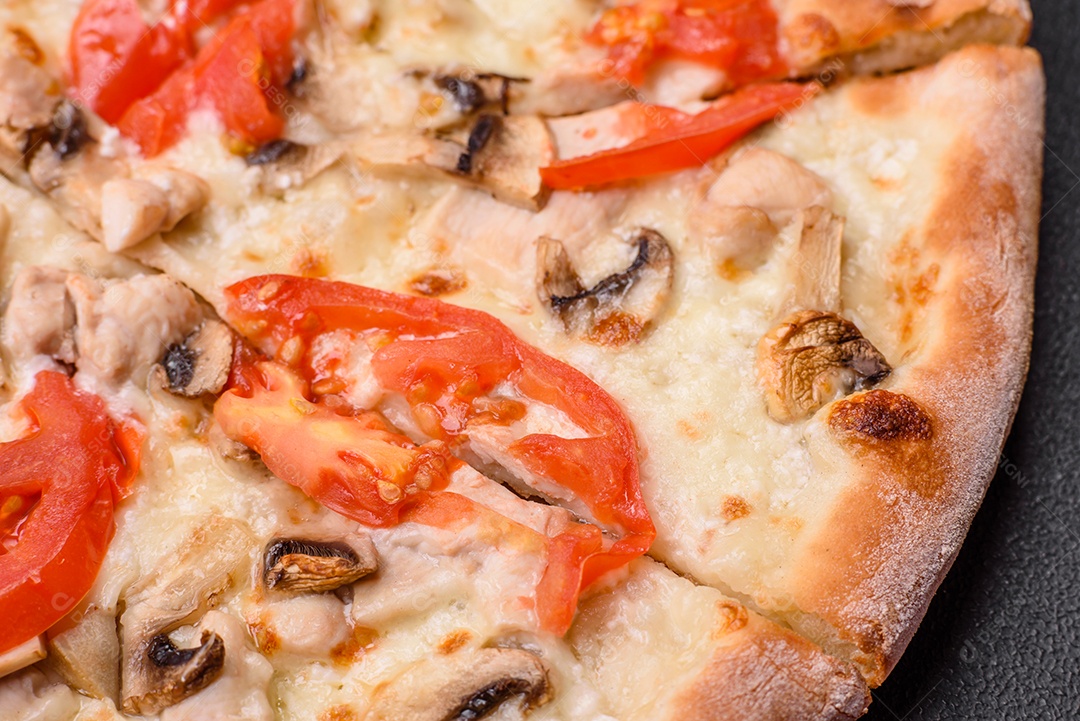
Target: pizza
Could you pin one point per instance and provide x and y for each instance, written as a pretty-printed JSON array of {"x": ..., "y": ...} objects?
[{"x": 458, "y": 359}]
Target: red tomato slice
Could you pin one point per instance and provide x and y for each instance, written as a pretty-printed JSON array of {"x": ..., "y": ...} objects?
[
  {"x": 230, "y": 76},
  {"x": 678, "y": 141},
  {"x": 116, "y": 58},
  {"x": 351, "y": 464},
  {"x": 196, "y": 14},
  {"x": 274, "y": 24},
  {"x": 159, "y": 120},
  {"x": 58, "y": 486},
  {"x": 445, "y": 360},
  {"x": 144, "y": 79},
  {"x": 740, "y": 37},
  {"x": 566, "y": 553}
]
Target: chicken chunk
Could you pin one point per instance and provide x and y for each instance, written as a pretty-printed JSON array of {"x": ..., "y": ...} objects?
[
  {"x": 40, "y": 318},
  {"x": 759, "y": 193},
  {"x": 770, "y": 182},
  {"x": 124, "y": 327}
]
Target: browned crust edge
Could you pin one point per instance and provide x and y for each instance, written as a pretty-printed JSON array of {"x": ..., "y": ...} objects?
[
  {"x": 877, "y": 36},
  {"x": 872, "y": 571},
  {"x": 763, "y": 672}
]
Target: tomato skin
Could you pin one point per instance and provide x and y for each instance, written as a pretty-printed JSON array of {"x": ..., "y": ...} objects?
[
  {"x": 116, "y": 59},
  {"x": 274, "y": 24},
  {"x": 450, "y": 358},
  {"x": 740, "y": 37},
  {"x": 679, "y": 141},
  {"x": 75, "y": 465}
]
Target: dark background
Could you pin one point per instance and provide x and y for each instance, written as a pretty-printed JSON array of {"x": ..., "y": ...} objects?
[{"x": 1002, "y": 638}]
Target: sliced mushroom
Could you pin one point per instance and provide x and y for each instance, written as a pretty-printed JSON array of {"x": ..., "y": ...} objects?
[
  {"x": 620, "y": 308},
  {"x": 87, "y": 655},
  {"x": 173, "y": 674},
  {"x": 283, "y": 164},
  {"x": 812, "y": 358},
  {"x": 123, "y": 327},
  {"x": 502, "y": 155},
  {"x": 23, "y": 655},
  {"x": 472, "y": 92},
  {"x": 155, "y": 674},
  {"x": 463, "y": 686},
  {"x": 307, "y": 566},
  {"x": 815, "y": 264},
  {"x": 201, "y": 363}
]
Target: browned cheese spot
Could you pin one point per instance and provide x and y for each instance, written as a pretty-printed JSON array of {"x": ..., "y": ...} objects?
[
  {"x": 881, "y": 416},
  {"x": 732, "y": 617},
  {"x": 735, "y": 507},
  {"x": 453, "y": 641},
  {"x": 811, "y": 35},
  {"x": 617, "y": 329},
  {"x": 310, "y": 262},
  {"x": 26, "y": 46},
  {"x": 438, "y": 282},
  {"x": 353, "y": 649},
  {"x": 266, "y": 640},
  {"x": 342, "y": 712}
]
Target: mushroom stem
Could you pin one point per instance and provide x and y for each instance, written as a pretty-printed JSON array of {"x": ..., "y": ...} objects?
[{"x": 815, "y": 266}]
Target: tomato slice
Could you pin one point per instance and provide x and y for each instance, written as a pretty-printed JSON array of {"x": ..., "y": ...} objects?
[
  {"x": 352, "y": 464},
  {"x": 448, "y": 363},
  {"x": 230, "y": 74},
  {"x": 116, "y": 58},
  {"x": 740, "y": 37},
  {"x": 274, "y": 24},
  {"x": 57, "y": 490},
  {"x": 195, "y": 14},
  {"x": 146, "y": 80},
  {"x": 567, "y": 553},
  {"x": 676, "y": 141},
  {"x": 158, "y": 121}
]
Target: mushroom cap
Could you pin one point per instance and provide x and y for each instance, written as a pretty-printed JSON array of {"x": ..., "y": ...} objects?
[{"x": 812, "y": 358}]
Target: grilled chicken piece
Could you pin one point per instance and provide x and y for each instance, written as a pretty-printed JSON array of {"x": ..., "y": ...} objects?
[{"x": 111, "y": 331}]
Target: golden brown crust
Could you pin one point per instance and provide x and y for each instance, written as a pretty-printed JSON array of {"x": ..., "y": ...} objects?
[
  {"x": 921, "y": 457},
  {"x": 762, "y": 672},
  {"x": 872, "y": 36}
]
